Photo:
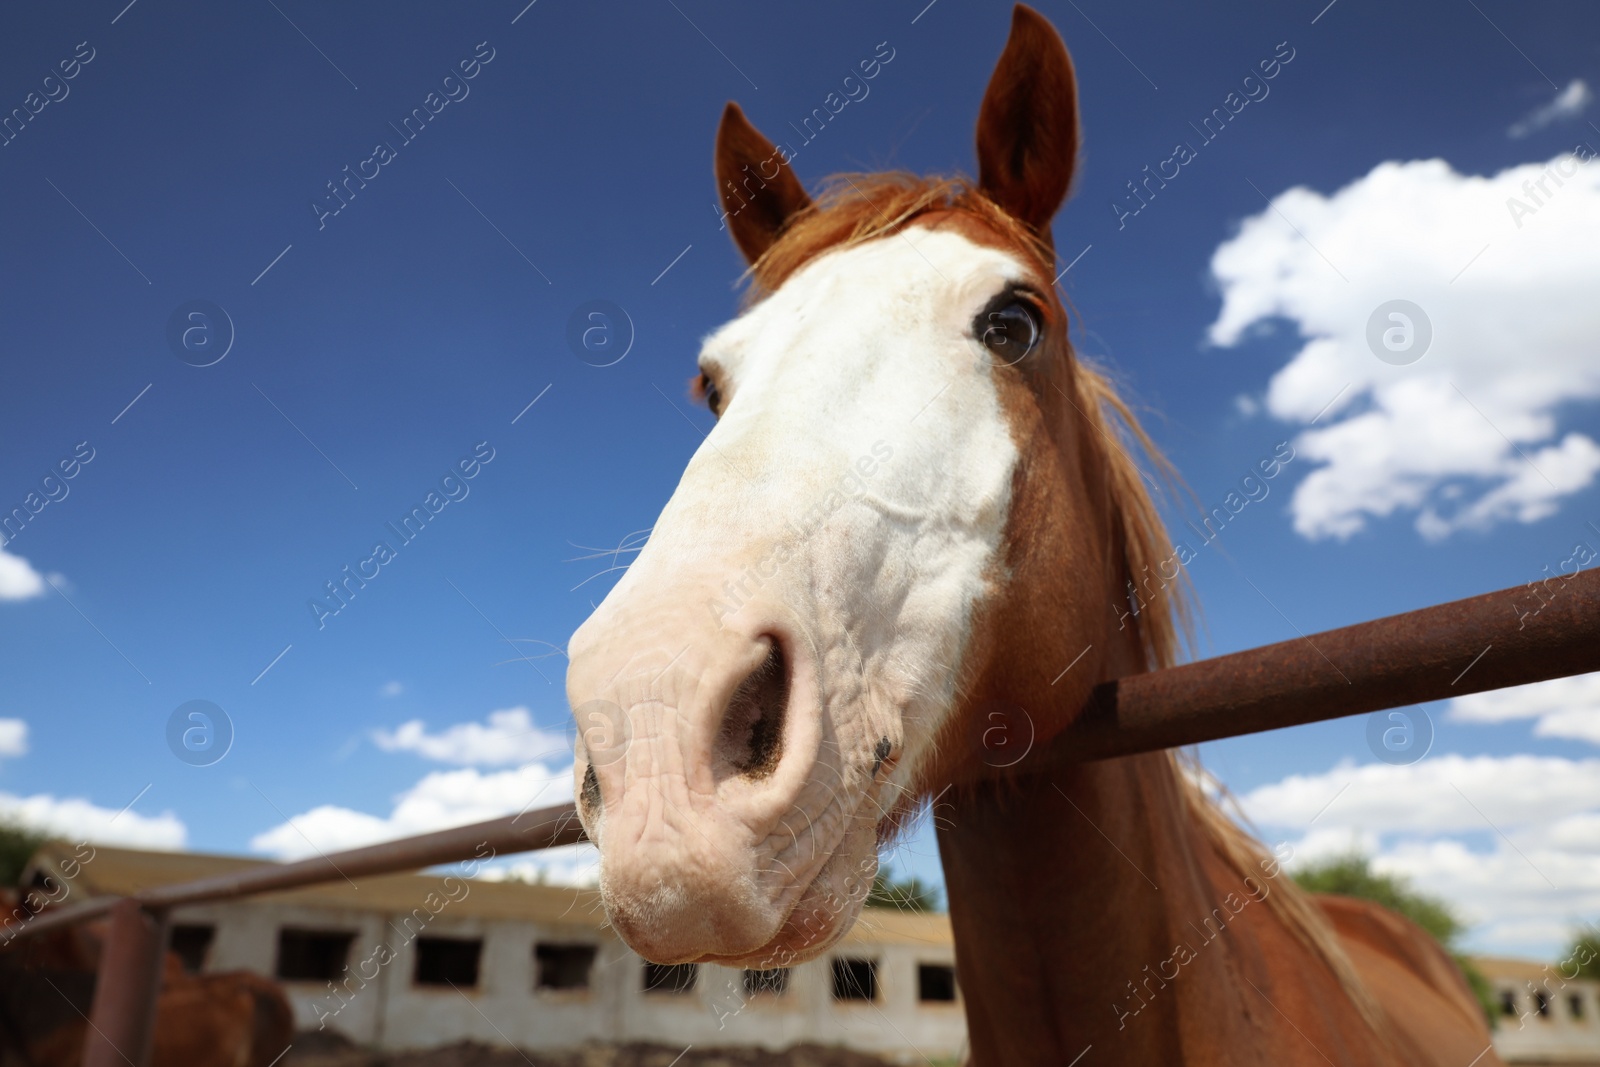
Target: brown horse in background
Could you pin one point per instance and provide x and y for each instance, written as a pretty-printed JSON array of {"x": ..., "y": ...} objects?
[
  {"x": 231, "y": 1019},
  {"x": 915, "y": 518}
]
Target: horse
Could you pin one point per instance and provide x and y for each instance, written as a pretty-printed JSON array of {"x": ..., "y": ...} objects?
[
  {"x": 918, "y": 515},
  {"x": 47, "y": 982}
]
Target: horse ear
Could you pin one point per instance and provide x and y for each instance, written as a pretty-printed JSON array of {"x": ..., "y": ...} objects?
[
  {"x": 1028, "y": 125},
  {"x": 760, "y": 193}
]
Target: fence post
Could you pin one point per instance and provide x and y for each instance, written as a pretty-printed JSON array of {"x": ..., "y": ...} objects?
[{"x": 122, "y": 1020}]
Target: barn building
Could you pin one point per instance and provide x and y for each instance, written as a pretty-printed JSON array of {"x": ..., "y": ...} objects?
[
  {"x": 1543, "y": 1015},
  {"x": 415, "y": 961}
]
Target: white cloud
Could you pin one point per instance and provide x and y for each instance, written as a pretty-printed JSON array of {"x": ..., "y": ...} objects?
[
  {"x": 77, "y": 819},
  {"x": 568, "y": 865},
  {"x": 510, "y": 737},
  {"x": 18, "y": 579},
  {"x": 1468, "y": 436},
  {"x": 391, "y": 689},
  {"x": 1435, "y": 795},
  {"x": 1564, "y": 707},
  {"x": 542, "y": 778},
  {"x": 13, "y": 737},
  {"x": 1538, "y": 875},
  {"x": 440, "y": 800},
  {"x": 1568, "y": 104}
]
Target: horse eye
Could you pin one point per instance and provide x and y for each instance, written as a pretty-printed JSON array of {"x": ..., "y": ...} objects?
[{"x": 1011, "y": 332}]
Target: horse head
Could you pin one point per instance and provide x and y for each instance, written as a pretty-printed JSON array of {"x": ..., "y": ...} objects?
[{"x": 899, "y": 520}]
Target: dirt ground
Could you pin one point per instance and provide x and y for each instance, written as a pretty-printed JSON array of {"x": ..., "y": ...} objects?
[{"x": 322, "y": 1050}]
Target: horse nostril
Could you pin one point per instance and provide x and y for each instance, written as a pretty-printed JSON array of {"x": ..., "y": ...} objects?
[
  {"x": 752, "y": 730},
  {"x": 591, "y": 790}
]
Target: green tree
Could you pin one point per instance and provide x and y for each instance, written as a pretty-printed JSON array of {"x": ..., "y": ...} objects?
[
  {"x": 904, "y": 894},
  {"x": 17, "y": 846},
  {"x": 1351, "y": 875},
  {"x": 1584, "y": 954}
]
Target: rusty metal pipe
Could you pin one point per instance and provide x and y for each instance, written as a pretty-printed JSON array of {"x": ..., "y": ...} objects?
[
  {"x": 1466, "y": 646},
  {"x": 123, "y": 1015},
  {"x": 545, "y": 828}
]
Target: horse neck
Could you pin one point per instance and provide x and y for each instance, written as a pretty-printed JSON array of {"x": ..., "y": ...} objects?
[
  {"x": 1066, "y": 893},
  {"x": 1070, "y": 894},
  {"x": 1051, "y": 879},
  {"x": 1101, "y": 905}
]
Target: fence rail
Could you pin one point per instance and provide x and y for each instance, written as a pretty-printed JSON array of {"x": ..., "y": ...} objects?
[
  {"x": 1511, "y": 637},
  {"x": 1465, "y": 646},
  {"x": 525, "y": 832}
]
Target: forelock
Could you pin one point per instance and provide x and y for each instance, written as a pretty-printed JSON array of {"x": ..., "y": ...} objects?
[{"x": 852, "y": 208}]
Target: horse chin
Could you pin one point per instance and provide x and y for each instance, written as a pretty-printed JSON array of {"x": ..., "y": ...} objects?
[
  {"x": 824, "y": 913},
  {"x": 832, "y": 901}
]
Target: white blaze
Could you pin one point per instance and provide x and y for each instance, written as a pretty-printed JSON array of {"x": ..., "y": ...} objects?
[{"x": 852, "y": 502}]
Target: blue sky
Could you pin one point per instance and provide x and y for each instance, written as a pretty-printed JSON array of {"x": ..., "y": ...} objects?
[{"x": 377, "y": 347}]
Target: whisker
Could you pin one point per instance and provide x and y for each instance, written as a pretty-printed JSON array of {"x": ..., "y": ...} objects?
[
  {"x": 592, "y": 577},
  {"x": 627, "y": 544},
  {"x": 555, "y": 650},
  {"x": 520, "y": 659},
  {"x": 599, "y": 553}
]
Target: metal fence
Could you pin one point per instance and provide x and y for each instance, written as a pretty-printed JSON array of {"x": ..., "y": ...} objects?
[{"x": 1466, "y": 646}]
